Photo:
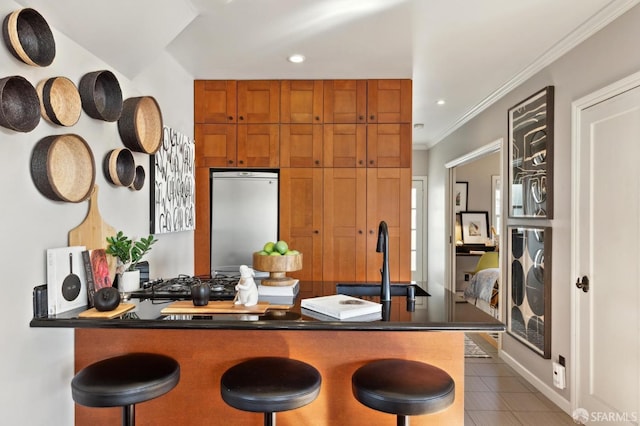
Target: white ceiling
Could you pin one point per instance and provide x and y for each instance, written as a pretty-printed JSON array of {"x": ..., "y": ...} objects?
[{"x": 468, "y": 52}]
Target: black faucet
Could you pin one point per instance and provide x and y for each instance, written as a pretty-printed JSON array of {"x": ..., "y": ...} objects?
[{"x": 383, "y": 247}]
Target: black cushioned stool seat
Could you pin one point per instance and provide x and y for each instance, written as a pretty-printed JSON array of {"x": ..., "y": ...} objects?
[
  {"x": 125, "y": 381},
  {"x": 403, "y": 387},
  {"x": 269, "y": 385}
]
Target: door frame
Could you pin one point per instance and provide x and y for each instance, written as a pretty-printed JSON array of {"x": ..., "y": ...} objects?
[
  {"x": 424, "y": 210},
  {"x": 450, "y": 256},
  {"x": 577, "y": 107}
]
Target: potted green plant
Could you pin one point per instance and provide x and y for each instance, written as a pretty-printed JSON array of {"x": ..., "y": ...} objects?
[{"x": 128, "y": 253}]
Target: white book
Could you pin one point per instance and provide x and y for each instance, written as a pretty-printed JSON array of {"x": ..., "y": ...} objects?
[
  {"x": 376, "y": 316},
  {"x": 279, "y": 290},
  {"x": 341, "y": 306},
  {"x": 66, "y": 279}
]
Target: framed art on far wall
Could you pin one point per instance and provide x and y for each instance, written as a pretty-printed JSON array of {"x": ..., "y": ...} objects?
[
  {"x": 531, "y": 156},
  {"x": 475, "y": 227},
  {"x": 529, "y": 287},
  {"x": 460, "y": 196}
]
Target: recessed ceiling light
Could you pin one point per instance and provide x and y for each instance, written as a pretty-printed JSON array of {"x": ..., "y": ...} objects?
[
  {"x": 418, "y": 126},
  {"x": 441, "y": 102},
  {"x": 296, "y": 59}
]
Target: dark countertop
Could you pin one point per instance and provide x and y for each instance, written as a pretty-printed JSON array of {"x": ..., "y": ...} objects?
[{"x": 438, "y": 312}]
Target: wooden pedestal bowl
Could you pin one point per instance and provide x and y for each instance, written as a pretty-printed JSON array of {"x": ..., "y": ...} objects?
[{"x": 277, "y": 267}]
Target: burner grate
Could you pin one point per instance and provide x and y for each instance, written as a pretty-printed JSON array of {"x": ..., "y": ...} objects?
[{"x": 222, "y": 287}]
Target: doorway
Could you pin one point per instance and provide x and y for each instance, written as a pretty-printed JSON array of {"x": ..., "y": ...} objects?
[{"x": 605, "y": 253}]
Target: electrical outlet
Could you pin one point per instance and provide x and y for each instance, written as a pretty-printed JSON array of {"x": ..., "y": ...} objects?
[
  {"x": 559, "y": 379},
  {"x": 466, "y": 277}
]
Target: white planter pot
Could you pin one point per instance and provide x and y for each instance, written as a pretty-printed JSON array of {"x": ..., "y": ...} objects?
[{"x": 128, "y": 281}]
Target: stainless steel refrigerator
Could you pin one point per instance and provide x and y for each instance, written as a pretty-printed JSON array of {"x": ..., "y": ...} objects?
[{"x": 244, "y": 216}]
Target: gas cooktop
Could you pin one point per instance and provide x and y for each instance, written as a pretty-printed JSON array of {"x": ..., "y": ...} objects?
[{"x": 222, "y": 287}]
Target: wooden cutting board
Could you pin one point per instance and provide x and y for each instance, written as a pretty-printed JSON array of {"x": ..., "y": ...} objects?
[
  {"x": 94, "y": 313},
  {"x": 218, "y": 307},
  {"x": 93, "y": 232}
]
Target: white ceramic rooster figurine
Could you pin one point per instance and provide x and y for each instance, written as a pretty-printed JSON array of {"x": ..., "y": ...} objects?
[{"x": 246, "y": 287}]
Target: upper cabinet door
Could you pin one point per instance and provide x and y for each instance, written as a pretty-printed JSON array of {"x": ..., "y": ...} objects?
[
  {"x": 214, "y": 101},
  {"x": 389, "y": 101},
  {"x": 345, "y": 101},
  {"x": 258, "y": 145},
  {"x": 300, "y": 145},
  {"x": 258, "y": 101},
  {"x": 215, "y": 145},
  {"x": 301, "y": 101},
  {"x": 389, "y": 145}
]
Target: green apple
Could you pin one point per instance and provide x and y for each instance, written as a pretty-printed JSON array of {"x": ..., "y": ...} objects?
[
  {"x": 269, "y": 247},
  {"x": 281, "y": 247}
]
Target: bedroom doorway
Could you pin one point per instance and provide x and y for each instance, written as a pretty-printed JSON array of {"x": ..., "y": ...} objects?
[{"x": 480, "y": 173}]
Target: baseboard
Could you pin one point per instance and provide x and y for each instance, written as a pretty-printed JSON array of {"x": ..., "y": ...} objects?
[{"x": 542, "y": 387}]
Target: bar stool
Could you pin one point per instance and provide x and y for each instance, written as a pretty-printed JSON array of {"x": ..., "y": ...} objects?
[
  {"x": 403, "y": 387},
  {"x": 124, "y": 381},
  {"x": 269, "y": 385}
]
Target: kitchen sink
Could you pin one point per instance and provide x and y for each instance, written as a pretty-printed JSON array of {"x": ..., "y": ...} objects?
[{"x": 373, "y": 289}]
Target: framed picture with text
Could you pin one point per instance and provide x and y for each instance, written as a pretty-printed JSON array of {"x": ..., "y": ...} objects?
[{"x": 531, "y": 156}]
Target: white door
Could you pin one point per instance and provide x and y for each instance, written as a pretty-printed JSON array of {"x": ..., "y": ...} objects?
[
  {"x": 607, "y": 253},
  {"x": 418, "y": 231}
]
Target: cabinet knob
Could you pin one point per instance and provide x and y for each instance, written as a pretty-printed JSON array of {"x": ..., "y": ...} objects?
[
  {"x": 230, "y": 161},
  {"x": 359, "y": 231},
  {"x": 360, "y": 162},
  {"x": 315, "y": 231},
  {"x": 241, "y": 161},
  {"x": 371, "y": 231},
  {"x": 317, "y": 162},
  {"x": 230, "y": 118},
  {"x": 372, "y": 117},
  {"x": 241, "y": 117},
  {"x": 361, "y": 118},
  {"x": 317, "y": 118},
  {"x": 371, "y": 162}
]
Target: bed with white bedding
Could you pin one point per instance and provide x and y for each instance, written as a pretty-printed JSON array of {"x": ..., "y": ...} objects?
[{"x": 483, "y": 290}]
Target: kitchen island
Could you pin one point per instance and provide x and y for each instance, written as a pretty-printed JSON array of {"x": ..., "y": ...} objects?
[{"x": 206, "y": 345}]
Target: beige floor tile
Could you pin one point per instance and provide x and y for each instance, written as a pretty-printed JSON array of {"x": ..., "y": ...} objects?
[
  {"x": 524, "y": 401},
  {"x": 493, "y": 418},
  {"x": 475, "y": 384},
  {"x": 492, "y": 370},
  {"x": 545, "y": 418},
  {"x": 505, "y": 384},
  {"x": 484, "y": 401},
  {"x": 468, "y": 421},
  {"x": 546, "y": 401}
]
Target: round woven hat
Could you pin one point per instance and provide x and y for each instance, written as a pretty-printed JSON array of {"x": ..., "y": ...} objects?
[
  {"x": 101, "y": 95},
  {"x": 19, "y": 104},
  {"x": 63, "y": 168},
  {"x": 59, "y": 101},
  {"x": 29, "y": 38},
  {"x": 140, "y": 125},
  {"x": 119, "y": 167}
]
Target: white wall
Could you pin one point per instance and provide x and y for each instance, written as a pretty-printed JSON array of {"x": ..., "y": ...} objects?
[
  {"x": 603, "y": 59},
  {"x": 36, "y": 364}
]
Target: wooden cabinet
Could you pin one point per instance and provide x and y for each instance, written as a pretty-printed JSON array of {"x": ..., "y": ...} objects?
[
  {"x": 301, "y": 145},
  {"x": 389, "y": 199},
  {"x": 202, "y": 234},
  {"x": 344, "y": 224},
  {"x": 258, "y": 145},
  {"x": 389, "y": 145},
  {"x": 345, "y": 101},
  {"x": 389, "y": 101},
  {"x": 214, "y": 101},
  {"x": 301, "y": 101},
  {"x": 301, "y": 213},
  {"x": 216, "y": 145},
  {"x": 345, "y": 145},
  {"x": 258, "y": 101}
]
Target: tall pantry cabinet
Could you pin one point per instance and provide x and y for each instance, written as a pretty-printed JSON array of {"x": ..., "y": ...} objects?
[{"x": 344, "y": 156}]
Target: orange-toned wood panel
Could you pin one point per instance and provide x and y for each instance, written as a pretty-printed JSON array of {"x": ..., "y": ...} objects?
[
  {"x": 214, "y": 101},
  {"x": 202, "y": 234},
  {"x": 301, "y": 218},
  {"x": 344, "y": 224},
  {"x": 345, "y": 145},
  {"x": 389, "y": 101},
  {"x": 258, "y": 145},
  {"x": 258, "y": 101},
  {"x": 301, "y": 101},
  {"x": 345, "y": 101},
  {"x": 216, "y": 145},
  {"x": 389, "y": 199},
  {"x": 300, "y": 145},
  {"x": 204, "y": 355},
  {"x": 389, "y": 145}
]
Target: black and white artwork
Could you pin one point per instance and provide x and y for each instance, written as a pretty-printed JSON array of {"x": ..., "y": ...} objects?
[
  {"x": 529, "y": 289},
  {"x": 531, "y": 156},
  {"x": 173, "y": 184}
]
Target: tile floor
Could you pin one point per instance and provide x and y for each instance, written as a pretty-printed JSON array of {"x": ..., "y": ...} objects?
[{"x": 495, "y": 395}]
